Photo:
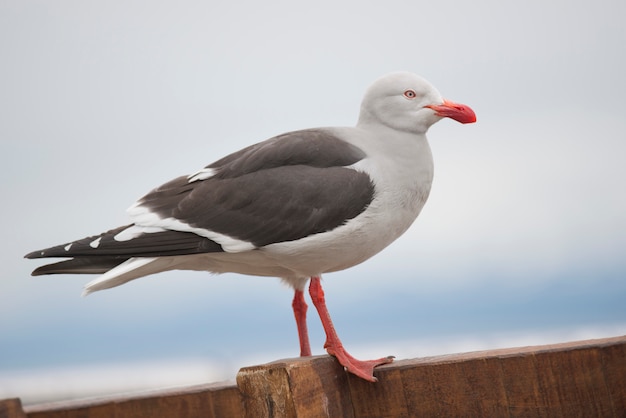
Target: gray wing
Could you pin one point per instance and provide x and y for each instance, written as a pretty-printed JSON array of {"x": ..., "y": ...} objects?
[{"x": 283, "y": 189}]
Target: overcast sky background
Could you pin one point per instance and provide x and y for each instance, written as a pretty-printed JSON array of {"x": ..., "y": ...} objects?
[{"x": 523, "y": 239}]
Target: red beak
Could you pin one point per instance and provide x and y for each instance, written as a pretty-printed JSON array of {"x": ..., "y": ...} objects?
[{"x": 458, "y": 112}]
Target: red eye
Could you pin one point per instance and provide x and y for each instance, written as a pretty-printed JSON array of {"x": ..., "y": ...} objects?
[{"x": 410, "y": 94}]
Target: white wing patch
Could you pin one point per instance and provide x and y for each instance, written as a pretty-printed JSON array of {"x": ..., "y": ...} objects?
[
  {"x": 95, "y": 243},
  {"x": 134, "y": 231},
  {"x": 202, "y": 174},
  {"x": 149, "y": 222}
]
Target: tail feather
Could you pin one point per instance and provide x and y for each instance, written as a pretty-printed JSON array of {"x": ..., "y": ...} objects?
[{"x": 131, "y": 269}]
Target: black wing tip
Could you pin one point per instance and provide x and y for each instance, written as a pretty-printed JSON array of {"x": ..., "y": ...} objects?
[
  {"x": 46, "y": 268},
  {"x": 81, "y": 265},
  {"x": 36, "y": 254},
  {"x": 48, "y": 252},
  {"x": 38, "y": 272},
  {"x": 43, "y": 270}
]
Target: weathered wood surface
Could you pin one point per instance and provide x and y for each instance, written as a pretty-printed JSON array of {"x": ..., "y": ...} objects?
[
  {"x": 303, "y": 387},
  {"x": 11, "y": 408},
  {"x": 207, "y": 401},
  {"x": 583, "y": 379},
  {"x": 579, "y": 379}
]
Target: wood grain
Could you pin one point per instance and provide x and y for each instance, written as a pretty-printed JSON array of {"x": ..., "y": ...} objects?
[
  {"x": 207, "y": 401},
  {"x": 577, "y": 379},
  {"x": 11, "y": 408}
]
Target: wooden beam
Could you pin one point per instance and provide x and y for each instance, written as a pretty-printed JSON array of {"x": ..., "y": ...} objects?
[
  {"x": 584, "y": 379},
  {"x": 563, "y": 380},
  {"x": 11, "y": 408},
  {"x": 207, "y": 401},
  {"x": 301, "y": 387}
]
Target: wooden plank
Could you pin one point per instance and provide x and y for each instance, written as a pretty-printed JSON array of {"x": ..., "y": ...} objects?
[
  {"x": 209, "y": 401},
  {"x": 572, "y": 383},
  {"x": 579, "y": 379},
  {"x": 11, "y": 408},
  {"x": 430, "y": 387},
  {"x": 614, "y": 367},
  {"x": 296, "y": 388}
]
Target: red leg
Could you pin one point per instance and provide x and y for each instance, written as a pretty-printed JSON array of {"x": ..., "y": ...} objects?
[
  {"x": 363, "y": 369},
  {"x": 299, "y": 311}
]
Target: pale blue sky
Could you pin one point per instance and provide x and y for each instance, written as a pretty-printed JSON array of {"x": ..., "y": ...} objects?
[{"x": 525, "y": 229}]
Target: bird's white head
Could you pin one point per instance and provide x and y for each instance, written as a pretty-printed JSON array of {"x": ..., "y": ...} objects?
[{"x": 405, "y": 101}]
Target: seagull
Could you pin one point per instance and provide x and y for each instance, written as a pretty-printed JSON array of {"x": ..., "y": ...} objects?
[{"x": 295, "y": 206}]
